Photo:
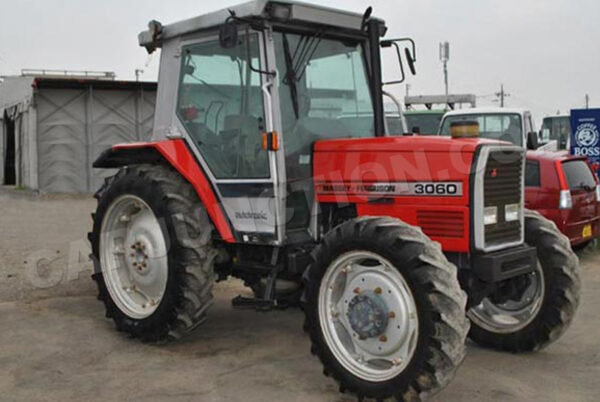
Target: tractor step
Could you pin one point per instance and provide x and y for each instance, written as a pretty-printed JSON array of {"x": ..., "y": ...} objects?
[{"x": 255, "y": 303}]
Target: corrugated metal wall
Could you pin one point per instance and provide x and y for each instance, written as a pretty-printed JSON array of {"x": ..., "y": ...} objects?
[{"x": 75, "y": 125}]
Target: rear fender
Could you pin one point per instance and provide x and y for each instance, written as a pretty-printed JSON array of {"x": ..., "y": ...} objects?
[{"x": 177, "y": 154}]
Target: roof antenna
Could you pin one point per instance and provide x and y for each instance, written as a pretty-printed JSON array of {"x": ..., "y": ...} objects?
[{"x": 366, "y": 17}]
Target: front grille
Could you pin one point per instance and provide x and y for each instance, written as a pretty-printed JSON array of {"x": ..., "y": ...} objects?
[
  {"x": 450, "y": 224},
  {"x": 502, "y": 185}
]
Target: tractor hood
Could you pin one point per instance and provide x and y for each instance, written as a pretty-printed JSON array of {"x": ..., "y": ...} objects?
[
  {"x": 400, "y": 163},
  {"x": 425, "y": 181},
  {"x": 403, "y": 144}
]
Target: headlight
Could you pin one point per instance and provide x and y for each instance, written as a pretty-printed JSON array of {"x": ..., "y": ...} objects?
[
  {"x": 490, "y": 215},
  {"x": 565, "y": 200},
  {"x": 511, "y": 212}
]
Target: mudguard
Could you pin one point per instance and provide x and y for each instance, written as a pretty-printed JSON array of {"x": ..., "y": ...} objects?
[{"x": 177, "y": 154}]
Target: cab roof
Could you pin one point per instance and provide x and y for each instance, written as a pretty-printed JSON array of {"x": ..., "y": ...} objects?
[
  {"x": 257, "y": 9},
  {"x": 487, "y": 110}
]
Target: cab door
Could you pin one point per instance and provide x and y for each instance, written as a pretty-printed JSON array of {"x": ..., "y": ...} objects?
[{"x": 224, "y": 106}]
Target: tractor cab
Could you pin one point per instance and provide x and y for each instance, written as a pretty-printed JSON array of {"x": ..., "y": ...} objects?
[{"x": 252, "y": 88}]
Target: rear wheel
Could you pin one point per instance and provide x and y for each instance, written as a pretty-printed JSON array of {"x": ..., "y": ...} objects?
[
  {"x": 384, "y": 310},
  {"x": 529, "y": 312},
  {"x": 153, "y": 262}
]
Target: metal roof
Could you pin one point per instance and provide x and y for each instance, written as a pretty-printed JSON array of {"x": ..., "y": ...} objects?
[
  {"x": 299, "y": 12},
  {"x": 45, "y": 82},
  {"x": 17, "y": 91}
]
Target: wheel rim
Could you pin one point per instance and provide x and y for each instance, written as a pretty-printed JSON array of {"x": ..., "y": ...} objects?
[
  {"x": 133, "y": 256},
  {"x": 512, "y": 315},
  {"x": 368, "y": 316}
]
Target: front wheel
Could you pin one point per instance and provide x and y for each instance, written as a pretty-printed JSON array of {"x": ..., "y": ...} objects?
[
  {"x": 384, "y": 310},
  {"x": 531, "y": 311}
]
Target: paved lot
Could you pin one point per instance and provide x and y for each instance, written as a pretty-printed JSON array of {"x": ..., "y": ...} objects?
[{"x": 55, "y": 343}]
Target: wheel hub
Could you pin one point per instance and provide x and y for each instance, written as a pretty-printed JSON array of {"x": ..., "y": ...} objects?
[
  {"x": 133, "y": 256},
  {"x": 368, "y": 315},
  {"x": 139, "y": 256}
]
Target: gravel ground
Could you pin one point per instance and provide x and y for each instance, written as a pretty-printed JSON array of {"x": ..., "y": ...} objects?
[{"x": 55, "y": 343}]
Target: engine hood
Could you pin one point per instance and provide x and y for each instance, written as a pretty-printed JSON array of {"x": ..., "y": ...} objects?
[{"x": 404, "y": 144}]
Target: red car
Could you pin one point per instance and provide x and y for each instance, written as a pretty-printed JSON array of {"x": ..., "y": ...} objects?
[{"x": 565, "y": 190}]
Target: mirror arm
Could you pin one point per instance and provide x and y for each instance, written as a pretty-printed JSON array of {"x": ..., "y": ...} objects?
[
  {"x": 410, "y": 40},
  {"x": 401, "y": 80}
]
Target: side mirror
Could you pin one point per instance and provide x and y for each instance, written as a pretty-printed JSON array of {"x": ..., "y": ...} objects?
[
  {"x": 416, "y": 130},
  {"x": 532, "y": 140},
  {"x": 410, "y": 61},
  {"x": 411, "y": 57},
  {"x": 228, "y": 34}
]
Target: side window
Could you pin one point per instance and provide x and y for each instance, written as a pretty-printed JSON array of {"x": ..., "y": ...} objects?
[
  {"x": 532, "y": 174},
  {"x": 221, "y": 106}
]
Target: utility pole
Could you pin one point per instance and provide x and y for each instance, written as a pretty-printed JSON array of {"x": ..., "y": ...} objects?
[
  {"x": 587, "y": 101},
  {"x": 138, "y": 72},
  {"x": 407, "y": 89},
  {"x": 502, "y": 94},
  {"x": 444, "y": 57}
]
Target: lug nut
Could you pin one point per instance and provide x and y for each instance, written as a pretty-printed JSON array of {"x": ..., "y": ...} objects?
[
  {"x": 144, "y": 264},
  {"x": 357, "y": 290},
  {"x": 396, "y": 362},
  {"x": 383, "y": 338},
  {"x": 392, "y": 314},
  {"x": 378, "y": 290},
  {"x": 135, "y": 264}
]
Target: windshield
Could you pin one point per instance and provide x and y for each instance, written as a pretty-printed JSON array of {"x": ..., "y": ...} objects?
[
  {"x": 427, "y": 123},
  {"x": 324, "y": 92},
  {"x": 500, "y": 126},
  {"x": 557, "y": 128}
]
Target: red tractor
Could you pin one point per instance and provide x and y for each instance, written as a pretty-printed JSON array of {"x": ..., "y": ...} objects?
[{"x": 271, "y": 162}]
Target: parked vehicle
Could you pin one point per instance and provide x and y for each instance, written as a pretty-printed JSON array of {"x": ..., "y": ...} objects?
[
  {"x": 424, "y": 122},
  {"x": 565, "y": 190},
  {"x": 513, "y": 125},
  {"x": 251, "y": 173},
  {"x": 557, "y": 128}
]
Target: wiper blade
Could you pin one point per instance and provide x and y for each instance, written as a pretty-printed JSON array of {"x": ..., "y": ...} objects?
[{"x": 290, "y": 75}]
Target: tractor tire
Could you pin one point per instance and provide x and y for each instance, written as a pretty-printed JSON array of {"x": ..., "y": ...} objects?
[
  {"x": 555, "y": 302},
  {"x": 396, "y": 263},
  {"x": 167, "y": 270}
]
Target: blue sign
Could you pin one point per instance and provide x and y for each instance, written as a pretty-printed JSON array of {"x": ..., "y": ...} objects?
[{"x": 585, "y": 133}]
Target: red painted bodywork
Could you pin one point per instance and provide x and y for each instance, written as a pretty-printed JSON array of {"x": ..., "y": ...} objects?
[
  {"x": 402, "y": 159},
  {"x": 545, "y": 198},
  {"x": 179, "y": 156}
]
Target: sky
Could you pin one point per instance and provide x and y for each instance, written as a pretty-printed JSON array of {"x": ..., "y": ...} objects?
[{"x": 545, "y": 52}]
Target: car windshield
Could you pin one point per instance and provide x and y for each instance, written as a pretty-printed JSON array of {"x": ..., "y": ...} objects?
[
  {"x": 426, "y": 123},
  {"x": 557, "y": 128},
  {"x": 496, "y": 126}
]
